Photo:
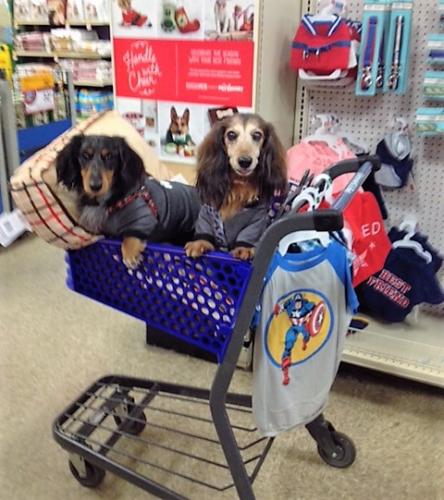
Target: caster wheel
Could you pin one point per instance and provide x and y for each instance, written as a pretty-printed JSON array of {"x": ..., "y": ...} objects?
[
  {"x": 345, "y": 453},
  {"x": 131, "y": 426},
  {"x": 94, "y": 475}
]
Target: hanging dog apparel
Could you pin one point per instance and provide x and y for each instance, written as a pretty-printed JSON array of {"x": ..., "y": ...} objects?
[
  {"x": 305, "y": 310},
  {"x": 321, "y": 45}
]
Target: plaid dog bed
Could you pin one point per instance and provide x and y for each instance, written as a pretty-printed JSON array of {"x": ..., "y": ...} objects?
[
  {"x": 42, "y": 208},
  {"x": 50, "y": 208}
]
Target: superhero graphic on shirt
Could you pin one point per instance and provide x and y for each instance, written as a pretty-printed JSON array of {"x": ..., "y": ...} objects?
[{"x": 306, "y": 318}]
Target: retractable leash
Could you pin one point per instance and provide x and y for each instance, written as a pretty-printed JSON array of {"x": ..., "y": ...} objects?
[
  {"x": 396, "y": 64},
  {"x": 369, "y": 52}
]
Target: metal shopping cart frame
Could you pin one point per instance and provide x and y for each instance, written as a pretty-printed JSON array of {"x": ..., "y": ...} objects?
[{"x": 117, "y": 406}]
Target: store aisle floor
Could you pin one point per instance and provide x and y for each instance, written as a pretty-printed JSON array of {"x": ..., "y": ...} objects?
[{"x": 53, "y": 343}]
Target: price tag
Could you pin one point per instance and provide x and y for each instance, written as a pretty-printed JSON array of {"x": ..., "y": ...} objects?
[{"x": 36, "y": 101}]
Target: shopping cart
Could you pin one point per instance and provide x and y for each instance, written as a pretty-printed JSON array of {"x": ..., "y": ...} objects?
[{"x": 207, "y": 302}]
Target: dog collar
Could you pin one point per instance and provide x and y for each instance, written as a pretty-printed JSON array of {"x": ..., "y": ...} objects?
[{"x": 140, "y": 193}]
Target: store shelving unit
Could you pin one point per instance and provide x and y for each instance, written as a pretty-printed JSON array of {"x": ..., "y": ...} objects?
[
  {"x": 413, "y": 351},
  {"x": 102, "y": 27}
]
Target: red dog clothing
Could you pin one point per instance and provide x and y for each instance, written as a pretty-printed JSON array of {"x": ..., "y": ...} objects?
[{"x": 321, "y": 45}]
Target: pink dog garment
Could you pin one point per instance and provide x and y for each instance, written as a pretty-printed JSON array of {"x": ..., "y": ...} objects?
[{"x": 317, "y": 156}]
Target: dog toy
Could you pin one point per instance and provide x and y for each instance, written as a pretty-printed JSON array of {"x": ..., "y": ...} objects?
[
  {"x": 183, "y": 21},
  {"x": 168, "y": 23}
]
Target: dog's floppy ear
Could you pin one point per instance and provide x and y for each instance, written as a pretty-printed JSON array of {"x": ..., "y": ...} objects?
[
  {"x": 212, "y": 167},
  {"x": 272, "y": 175},
  {"x": 186, "y": 116},
  {"x": 68, "y": 165},
  {"x": 131, "y": 169}
]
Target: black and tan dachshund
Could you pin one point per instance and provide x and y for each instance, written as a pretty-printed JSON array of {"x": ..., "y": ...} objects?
[{"x": 117, "y": 198}]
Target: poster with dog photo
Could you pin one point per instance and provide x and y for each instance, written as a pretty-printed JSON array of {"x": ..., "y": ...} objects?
[
  {"x": 181, "y": 129},
  {"x": 135, "y": 18},
  {"x": 182, "y": 20},
  {"x": 229, "y": 19}
]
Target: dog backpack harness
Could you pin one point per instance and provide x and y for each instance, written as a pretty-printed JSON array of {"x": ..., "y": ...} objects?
[{"x": 321, "y": 45}]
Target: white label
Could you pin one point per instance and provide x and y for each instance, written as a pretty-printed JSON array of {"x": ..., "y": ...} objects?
[
  {"x": 429, "y": 118},
  {"x": 435, "y": 44},
  {"x": 37, "y": 101},
  {"x": 433, "y": 80},
  {"x": 402, "y": 6},
  {"x": 376, "y": 8}
]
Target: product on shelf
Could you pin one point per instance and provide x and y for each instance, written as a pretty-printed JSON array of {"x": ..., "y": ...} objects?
[
  {"x": 33, "y": 41},
  {"x": 31, "y": 10},
  {"x": 31, "y": 109},
  {"x": 93, "y": 101},
  {"x": 57, "y": 12},
  {"x": 97, "y": 10},
  {"x": 88, "y": 71},
  {"x": 75, "y": 11}
]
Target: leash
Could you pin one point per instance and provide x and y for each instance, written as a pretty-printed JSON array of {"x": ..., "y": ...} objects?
[
  {"x": 369, "y": 51},
  {"x": 380, "y": 75},
  {"x": 396, "y": 64},
  {"x": 140, "y": 193}
]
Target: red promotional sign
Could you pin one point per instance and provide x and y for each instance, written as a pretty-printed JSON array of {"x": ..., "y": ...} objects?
[{"x": 204, "y": 72}]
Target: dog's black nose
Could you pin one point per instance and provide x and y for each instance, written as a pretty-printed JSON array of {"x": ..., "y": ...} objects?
[
  {"x": 95, "y": 186},
  {"x": 245, "y": 161}
]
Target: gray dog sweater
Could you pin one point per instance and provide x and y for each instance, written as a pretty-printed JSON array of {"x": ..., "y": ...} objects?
[
  {"x": 244, "y": 229},
  {"x": 157, "y": 212}
]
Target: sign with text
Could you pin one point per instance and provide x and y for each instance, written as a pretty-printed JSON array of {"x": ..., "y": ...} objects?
[{"x": 194, "y": 71}]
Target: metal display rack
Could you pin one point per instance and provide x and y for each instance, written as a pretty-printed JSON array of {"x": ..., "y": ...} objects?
[
  {"x": 101, "y": 427},
  {"x": 411, "y": 351}
]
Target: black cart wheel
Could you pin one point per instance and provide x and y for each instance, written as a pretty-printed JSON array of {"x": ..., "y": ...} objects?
[
  {"x": 94, "y": 475},
  {"x": 344, "y": 454},
  {"x": 136, "y": 426}
]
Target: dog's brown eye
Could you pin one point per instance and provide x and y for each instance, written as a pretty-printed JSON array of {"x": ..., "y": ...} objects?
[
  {"x": 257, "y": 136},
  {"x": 231, "y": 136},
  {"x": 86, "y": 155},
  {"x": 107, "y": 157}
]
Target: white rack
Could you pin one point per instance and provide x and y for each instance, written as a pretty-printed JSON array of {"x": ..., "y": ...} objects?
[{"x": 407, "y": 351}]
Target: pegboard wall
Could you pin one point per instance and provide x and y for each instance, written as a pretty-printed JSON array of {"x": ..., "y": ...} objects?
[{"x": 368, "y": 118}]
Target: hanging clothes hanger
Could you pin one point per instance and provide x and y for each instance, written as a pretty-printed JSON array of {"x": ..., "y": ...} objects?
[
  {"x": 324, "y": 132},
  {"x": 409, "y": 225},
  {"x": 399, "y": 139},
  {"x": 413, "y": 245},
  {"x": 311, "y": 196},
  {"x": 356, "y": 146},
  {"x": 331, "y": 8}
]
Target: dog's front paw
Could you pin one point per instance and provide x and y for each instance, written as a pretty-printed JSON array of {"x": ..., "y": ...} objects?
[
  {"x": 132, "y": 249},
  {"x": 243, "y": 253},
  {"x": 197, "y": 248}
]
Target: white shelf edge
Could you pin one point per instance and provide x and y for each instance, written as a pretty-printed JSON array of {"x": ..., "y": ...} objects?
[
  {"x": 413, "y": 352},
  {"x": 67, "y": 23},
  {"x": 85, "y": 83},
  {"x": 63, "y": 55},
  {"x": 393, "y": 367}
]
